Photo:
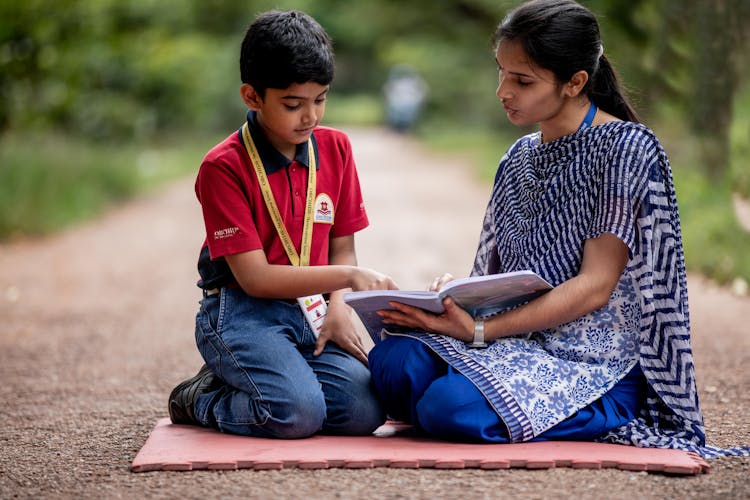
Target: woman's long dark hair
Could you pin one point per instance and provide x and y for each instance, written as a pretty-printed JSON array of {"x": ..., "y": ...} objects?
[{"x": 563, "y": 36}]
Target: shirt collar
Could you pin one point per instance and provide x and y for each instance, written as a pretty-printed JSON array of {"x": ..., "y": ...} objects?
[{"x": 272, "y": 159}]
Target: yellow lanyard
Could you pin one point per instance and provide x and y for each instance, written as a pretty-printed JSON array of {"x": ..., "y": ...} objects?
[{"x": 303, "y": 258}]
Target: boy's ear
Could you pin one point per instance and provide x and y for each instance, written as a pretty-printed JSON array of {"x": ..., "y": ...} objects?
[
  {"x": 576, "y": 83},
  {"x": 250, "y": 97}
]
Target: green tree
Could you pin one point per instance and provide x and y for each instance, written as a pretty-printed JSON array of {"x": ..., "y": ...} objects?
[{"x": 720, "y": 32}]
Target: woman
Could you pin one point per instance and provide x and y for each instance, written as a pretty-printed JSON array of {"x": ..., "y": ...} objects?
[{"x": 588, "y": 203}]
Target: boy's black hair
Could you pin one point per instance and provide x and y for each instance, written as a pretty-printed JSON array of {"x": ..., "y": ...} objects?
[{"x": 285, "y": 47}]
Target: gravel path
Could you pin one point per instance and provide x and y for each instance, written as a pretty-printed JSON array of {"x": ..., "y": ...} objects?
[{"x": 97, "y": 327}]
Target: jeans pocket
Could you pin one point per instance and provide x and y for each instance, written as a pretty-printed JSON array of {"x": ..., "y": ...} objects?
[
  {"x": 212, "y": 311},
  {"x": 208, "y": 324}
]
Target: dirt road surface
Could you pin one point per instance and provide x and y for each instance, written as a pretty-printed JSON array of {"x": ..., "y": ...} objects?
[{"x": 97, "y": 327}]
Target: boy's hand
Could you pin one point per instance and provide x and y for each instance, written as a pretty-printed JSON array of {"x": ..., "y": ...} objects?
[
  {"x": 369, "y": 279},
  {"x": 338, "y": 327}
]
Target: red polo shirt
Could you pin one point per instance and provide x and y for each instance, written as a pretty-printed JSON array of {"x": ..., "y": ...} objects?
[{"x": 235, "y": 214}]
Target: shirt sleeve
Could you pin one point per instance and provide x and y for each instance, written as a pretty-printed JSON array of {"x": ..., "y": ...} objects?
[
  {"x": 350, "y": 215},
  {"x": 227, "y": 210}
]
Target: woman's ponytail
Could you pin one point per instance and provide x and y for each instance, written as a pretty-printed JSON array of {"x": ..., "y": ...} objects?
[{"x": 607, "y": 93}]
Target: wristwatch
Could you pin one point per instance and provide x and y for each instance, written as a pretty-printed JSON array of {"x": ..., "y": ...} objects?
[{"x": 478, "y": 341}]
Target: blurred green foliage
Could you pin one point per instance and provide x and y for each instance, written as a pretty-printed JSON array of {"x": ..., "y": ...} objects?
[
  {"x": 49, "y": 181},
  {"x": 86, "y": 86},
  {"x": 113, "y": 70},
  {"x": 715, "y": 243},
  {"x": 36, "y": 198}
]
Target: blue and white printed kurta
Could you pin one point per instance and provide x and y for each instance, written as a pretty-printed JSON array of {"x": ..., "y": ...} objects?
[{"x": 546, "y": 201}]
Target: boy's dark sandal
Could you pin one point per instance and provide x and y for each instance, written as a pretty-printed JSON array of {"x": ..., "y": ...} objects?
[{"x": 182, "y": 398}]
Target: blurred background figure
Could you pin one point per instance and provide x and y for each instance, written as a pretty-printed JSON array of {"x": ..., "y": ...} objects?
[{"x": 405, "y": 92}]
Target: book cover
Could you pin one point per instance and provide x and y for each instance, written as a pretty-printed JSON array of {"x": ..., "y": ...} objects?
[{"x": 480, "y": 296}]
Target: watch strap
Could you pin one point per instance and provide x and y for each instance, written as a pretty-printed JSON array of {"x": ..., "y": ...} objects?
[{"x": 478, "y": 341}]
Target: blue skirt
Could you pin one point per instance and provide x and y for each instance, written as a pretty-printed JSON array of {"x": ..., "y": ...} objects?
[{"x": 418, "y": 387}]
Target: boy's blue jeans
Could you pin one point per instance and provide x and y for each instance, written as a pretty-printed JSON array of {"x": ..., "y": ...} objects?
[{"x": 271, "y": 385}]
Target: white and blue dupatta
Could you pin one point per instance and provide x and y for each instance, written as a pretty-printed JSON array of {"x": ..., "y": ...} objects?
[{"x": 547, "y": 200}]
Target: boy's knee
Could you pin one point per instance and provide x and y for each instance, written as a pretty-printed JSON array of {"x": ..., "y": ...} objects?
[
  {"x": 360, "y": 417},
  {"x": 353, "y": 406},
  {"x": 299, "y": 417},
  {"x": 290, "y": 419}
]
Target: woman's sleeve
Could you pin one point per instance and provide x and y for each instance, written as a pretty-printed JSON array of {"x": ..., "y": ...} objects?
[{"x": 622, "y": 180}]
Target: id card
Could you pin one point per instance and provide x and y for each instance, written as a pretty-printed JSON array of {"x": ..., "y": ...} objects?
[{"x": 314, "y": 308}]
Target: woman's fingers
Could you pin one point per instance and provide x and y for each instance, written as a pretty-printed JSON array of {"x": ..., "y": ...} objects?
[{"x": 440, "y": 281}]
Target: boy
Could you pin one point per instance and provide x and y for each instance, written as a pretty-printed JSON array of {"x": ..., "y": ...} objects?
[{"x": 280, "y": 191}]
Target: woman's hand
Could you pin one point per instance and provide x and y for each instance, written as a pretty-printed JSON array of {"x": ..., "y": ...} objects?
[
  {"x": 453, "y": 322},
  {"x": 440, "y": 281}
]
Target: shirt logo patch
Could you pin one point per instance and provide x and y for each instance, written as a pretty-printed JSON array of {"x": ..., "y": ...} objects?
[
  {"x": 323, "y": 209},
  {"x": 226, "y": 233}
]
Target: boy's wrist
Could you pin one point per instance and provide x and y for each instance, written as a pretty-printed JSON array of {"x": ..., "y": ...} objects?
[{"x": 350, "y": 273}]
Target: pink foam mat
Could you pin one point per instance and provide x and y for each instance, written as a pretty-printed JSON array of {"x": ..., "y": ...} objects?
[{"x": 181, "y": 448}]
